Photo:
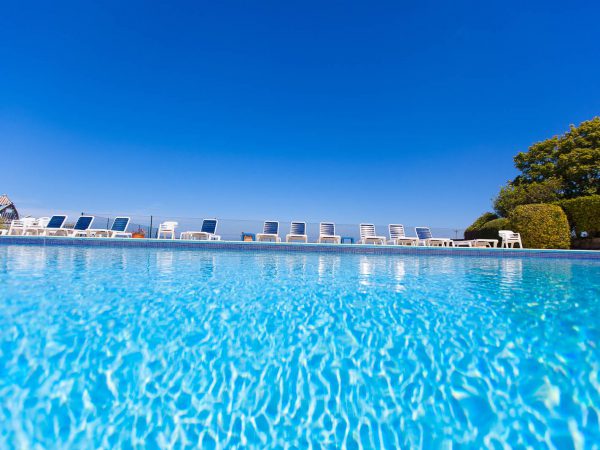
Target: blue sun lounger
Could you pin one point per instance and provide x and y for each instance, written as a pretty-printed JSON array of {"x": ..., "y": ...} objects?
[
  {"x": 270, "y": 232},
  {"x": 55, "y": 226},
  {"x": 425, "y": 236},
  {"x": 206, "y": 233},
  {"x": 297, "y": 233},
  {"x": 327, "y": 234},
  {"x": 118, "y": 229},
  {"x": 81, "y": 226}
]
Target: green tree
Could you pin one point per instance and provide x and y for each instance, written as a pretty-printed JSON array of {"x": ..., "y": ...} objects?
[
  {"x": 572, "y": 158},
  {"x": 562, "y": 167},
  {"x": 513, "y": 195}
]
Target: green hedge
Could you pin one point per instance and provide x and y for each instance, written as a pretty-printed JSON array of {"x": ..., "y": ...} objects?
[
  {"x": 471, "y": 231},
  {"x": 583, "y": 214},
  {"x": 490, "y": 229},
  {"x": 541, "y": 226}
]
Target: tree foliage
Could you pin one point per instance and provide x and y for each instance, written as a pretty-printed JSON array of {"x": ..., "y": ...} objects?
[
  {"x": 573, "y": 159},
  {"x": 562, "y": 167},
  {"x": 513, "y": 195}
]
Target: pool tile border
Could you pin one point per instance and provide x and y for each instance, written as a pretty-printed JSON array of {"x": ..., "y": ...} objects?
[{"x": 296, "y": 247}]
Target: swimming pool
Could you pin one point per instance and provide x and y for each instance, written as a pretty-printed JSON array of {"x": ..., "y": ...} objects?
[{"x": 105, "y": 347}]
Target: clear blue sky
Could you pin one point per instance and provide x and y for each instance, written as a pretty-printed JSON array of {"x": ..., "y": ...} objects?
[{"x": 373, "y": 111}]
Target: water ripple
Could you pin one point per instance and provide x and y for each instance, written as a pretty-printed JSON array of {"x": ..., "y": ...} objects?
[{"x": 159, "y": 348}]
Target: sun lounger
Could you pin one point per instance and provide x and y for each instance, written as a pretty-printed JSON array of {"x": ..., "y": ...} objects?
[
  {"x": 425, "y": 237},
  {"x": 297, "y": 233},
  {"x": 481, "y": 243},
  {"x": 327, "y": 234},
  {"x": 270, "y": 232},
  {"x": 368, "y": 235},
  {"x": 167, "y": 230},
  {"x": 18, "y": 227},
  {"x": 81, "y": 226},
  {"x": 118, "y": 229},
  {"x": 206, "y": 233},
  {"x": 36, "y": 227},
  {"x": 54, "y": 227},
  {"x": 398, "y": 236}
]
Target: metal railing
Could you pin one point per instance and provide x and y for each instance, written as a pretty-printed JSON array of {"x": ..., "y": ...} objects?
[{"x": 232, "y": 229}]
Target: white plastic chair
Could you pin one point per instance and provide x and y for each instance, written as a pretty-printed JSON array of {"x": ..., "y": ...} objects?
[
  {"x": 297, "y": 232},
  {"x": 368, "y": 235},
  {"x": 398, "y": 236},
  {"x": 167, "y": 229},
  {"x": 327, "y": 233},
  {"x": 510, "y": 238}
]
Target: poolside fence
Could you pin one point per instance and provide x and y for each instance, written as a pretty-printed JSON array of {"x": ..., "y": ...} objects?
[{"x": 232, "y": 229}]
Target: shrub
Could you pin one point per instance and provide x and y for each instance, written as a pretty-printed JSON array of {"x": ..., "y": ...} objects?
[
  {"x": 490, "y": 229},
  {"x": 541, "y": 226},
  {"x": 583, "y": 214},
  {"x": 481, "y": 220}
]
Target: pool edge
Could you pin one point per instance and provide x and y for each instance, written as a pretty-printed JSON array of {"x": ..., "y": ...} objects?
[{"x": 299, "y": 247}]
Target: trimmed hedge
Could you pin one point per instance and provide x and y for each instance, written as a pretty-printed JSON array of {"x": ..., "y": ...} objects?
[
  {"x": 541, "y": 226},
  {"x": 490, "y": 229},
  {"x": 471, "y": 231},
  {"x": 583, "y": 214}
]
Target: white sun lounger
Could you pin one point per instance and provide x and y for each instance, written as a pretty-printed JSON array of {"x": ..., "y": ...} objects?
[
  {"x": 25, "y": 226},
  {"x": 206, "y": 233},
  {"x": 37, "y": 227},
  {"x": 480, "y": 243},
  {"x": 29, "y": 226},
  {"x": 368, "y": 235},
  {"x": 425, "y": 236},
  {"x": 327, "y": 234},
  {"x": 297, "y": 233},
  {"x": 398, "y": 236},
  {"x": 270, "y": 232}
]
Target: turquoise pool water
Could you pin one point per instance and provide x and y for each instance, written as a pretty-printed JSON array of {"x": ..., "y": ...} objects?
[{"x": 103, "y": 347}]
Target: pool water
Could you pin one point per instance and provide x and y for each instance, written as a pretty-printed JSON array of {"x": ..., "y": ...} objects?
[{"x": 109, "y": 347}]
